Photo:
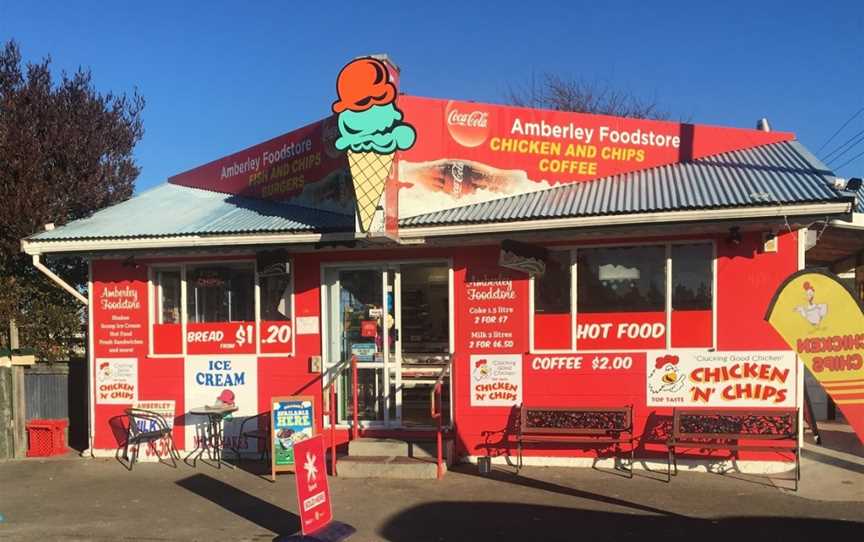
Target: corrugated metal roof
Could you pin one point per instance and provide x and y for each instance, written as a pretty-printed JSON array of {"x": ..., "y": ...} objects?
[
  {"x": 171, "y": 210},
  {"x": 784, "y": 173},
  {"x": 859, "y": 199}
]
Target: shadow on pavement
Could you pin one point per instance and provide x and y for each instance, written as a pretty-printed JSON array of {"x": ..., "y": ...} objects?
[
  {"x": 479, "y": 521},
  {"x": 814, "y": 455},
  {"x": 510, "y": 478},
  {"x": 245, "y": 505}
]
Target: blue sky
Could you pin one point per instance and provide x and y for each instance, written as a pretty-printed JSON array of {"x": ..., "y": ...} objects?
[{"x": 220, "y": 76}]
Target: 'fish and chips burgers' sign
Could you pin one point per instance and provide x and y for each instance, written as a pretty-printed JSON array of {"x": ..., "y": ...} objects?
[
  {"x": 721, "y": 379},
  {"x": 824, "y": 323}
]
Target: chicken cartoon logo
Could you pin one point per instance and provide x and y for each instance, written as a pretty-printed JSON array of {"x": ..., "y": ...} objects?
[
  {"x": 666, "y": 375},
  {"x": 370, "y": 130},
  {"x": 811, "y": 311},
  {"x": 481, "y": 370},
  {"x": 104, "y": 371}
]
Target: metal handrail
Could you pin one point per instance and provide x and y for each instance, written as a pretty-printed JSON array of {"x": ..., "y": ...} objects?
[
  {"x": 336, "y": 371},
  {"x": 437, "y": 414}
]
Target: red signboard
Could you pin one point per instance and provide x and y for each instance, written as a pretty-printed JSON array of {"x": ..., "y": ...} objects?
[
  {"x": 469, "y": 152},
  {"x": 466, "y": 152},
  {"x": 220, "y": 338},
  {"x": 301, "y": 167},
  {"x": 276, "y": 337},
  {"x": 495, "y": 306},
  {"x": 313, "y": 493},
  {"x": 120, "y": 312}
]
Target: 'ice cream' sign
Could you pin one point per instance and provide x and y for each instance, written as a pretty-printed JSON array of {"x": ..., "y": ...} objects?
[{"x": 208, "y": 379}]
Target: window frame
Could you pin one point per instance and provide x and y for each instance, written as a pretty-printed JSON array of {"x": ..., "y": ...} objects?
[
  {"x": 573, "y": 249},
  {"x": 153, "y": 303}
]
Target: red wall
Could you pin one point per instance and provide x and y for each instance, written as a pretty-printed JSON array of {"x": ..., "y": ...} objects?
[{"x": 746, "y": 279}]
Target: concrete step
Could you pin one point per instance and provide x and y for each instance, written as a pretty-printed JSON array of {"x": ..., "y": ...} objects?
[
  {"x": 403, "y": 468},
  {"x": 391, "y": 447}
]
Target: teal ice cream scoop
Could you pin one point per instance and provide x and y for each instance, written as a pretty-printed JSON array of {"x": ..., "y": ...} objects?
[{"x": 378, "y": 129}]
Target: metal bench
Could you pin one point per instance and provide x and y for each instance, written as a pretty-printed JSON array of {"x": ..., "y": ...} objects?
[
  {"x": 770, "y": 429},
  {"x": 581, "y": 426}
]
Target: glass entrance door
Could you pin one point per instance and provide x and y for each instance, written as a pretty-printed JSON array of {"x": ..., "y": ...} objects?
[
  {"x": 367, "y": 308},
  {"x": 361, "y": 324}
]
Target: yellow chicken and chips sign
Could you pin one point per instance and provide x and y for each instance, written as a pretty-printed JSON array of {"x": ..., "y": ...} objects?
[{"x": 823, "y": 323}]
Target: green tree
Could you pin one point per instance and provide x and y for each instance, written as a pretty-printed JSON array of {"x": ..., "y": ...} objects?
[{"x": 65, "y": 151}]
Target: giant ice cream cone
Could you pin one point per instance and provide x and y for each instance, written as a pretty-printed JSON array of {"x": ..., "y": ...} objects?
[
  {"x": 371, "y": 130},
  {"x": 369, "y": 171}
]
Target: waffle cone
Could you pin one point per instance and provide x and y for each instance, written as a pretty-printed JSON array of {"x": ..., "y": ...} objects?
[{"x": 369, "y": 172}]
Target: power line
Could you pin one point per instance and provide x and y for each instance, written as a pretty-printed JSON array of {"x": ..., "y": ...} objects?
[
  {"x": 857, "y": 156},
  {"x": 849, "y": 144},
  {"x": 845, "y": 124}
]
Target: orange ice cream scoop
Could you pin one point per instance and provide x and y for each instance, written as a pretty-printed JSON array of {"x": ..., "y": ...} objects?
[{"x": 363, "y": 83}]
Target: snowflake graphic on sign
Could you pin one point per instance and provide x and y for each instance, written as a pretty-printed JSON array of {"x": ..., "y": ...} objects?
[{"x": 310, "y": 468}]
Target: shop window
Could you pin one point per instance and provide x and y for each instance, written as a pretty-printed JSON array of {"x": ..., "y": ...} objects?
[
  {"x": 553, "y": 326},
  {"x": 274, "y": 283},
  {"x": 425, "y": 309},
  {"x": 692, "y": 299},
  {"x": 167, "y": 330},
  {"x": 220, "y": 293},
  {"x": 621, "y": 298},
  {"x": 220, "y": 302}
]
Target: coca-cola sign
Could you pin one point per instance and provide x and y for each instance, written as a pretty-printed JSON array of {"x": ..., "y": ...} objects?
[{"x": 468, "y": 124}]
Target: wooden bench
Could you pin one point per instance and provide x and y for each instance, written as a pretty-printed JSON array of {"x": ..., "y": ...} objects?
[
  {"x": 587, "y": 426},
  {"x": 770, "y": 429}
]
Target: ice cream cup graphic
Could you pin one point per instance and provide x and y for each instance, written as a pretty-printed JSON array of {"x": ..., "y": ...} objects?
[
  {"x": 286, "y": 439},
  {"x": 371, "y": 130}
]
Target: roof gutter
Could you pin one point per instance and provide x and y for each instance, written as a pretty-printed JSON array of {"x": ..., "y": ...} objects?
[
  {"x": 415, "y": 233},
  {"x": 857, "y": 222},
  {"x": 778, "y": 211},
  {"x": 60, "y": 282},
  {"x": 34, "y": 247}
]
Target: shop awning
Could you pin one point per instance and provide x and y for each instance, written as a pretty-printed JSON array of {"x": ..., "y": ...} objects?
[{"x": 779, "y": 174}]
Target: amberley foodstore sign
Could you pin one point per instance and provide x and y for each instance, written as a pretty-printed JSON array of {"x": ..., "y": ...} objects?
[{"x": 467, "y": 152}]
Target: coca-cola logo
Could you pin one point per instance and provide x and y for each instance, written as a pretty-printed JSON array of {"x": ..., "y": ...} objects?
[
  {"x": 467, "y": 123},
  {"x": 329, "y": 134}
]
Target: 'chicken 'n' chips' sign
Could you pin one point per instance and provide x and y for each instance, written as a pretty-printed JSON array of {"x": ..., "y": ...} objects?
[
  {"x": 824, "y": 323},
  {"x": 721, "y": 379}
]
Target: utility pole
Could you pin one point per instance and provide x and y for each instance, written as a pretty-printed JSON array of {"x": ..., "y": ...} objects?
[{"x": 19, "y": 414}]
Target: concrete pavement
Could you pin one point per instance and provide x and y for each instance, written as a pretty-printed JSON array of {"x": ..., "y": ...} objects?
[{"x": 90, "y": 499}]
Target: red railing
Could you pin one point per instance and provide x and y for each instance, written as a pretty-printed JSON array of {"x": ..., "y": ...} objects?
[
  {"x": 355, "y": 425},
  {"x": 437, "y": 415},
  {"x": 332, "y": 407},
  {"x": 332, "y": 427}
]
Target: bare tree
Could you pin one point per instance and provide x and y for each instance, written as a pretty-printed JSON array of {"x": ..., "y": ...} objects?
[{"x": 580, "y": 96}]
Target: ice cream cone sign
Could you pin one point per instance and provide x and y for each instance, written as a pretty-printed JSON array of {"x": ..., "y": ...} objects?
[{"x": 371, "y": 130}]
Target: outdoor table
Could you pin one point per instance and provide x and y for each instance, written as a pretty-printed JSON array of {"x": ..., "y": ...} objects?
[{"x": 213, "y": 436}]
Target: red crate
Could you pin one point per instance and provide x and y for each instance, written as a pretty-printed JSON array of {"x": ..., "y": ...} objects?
[{"x": 46, "y": 438}]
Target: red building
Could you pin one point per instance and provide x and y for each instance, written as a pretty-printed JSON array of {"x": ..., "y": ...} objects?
[{"x": 547, "y": 258}]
